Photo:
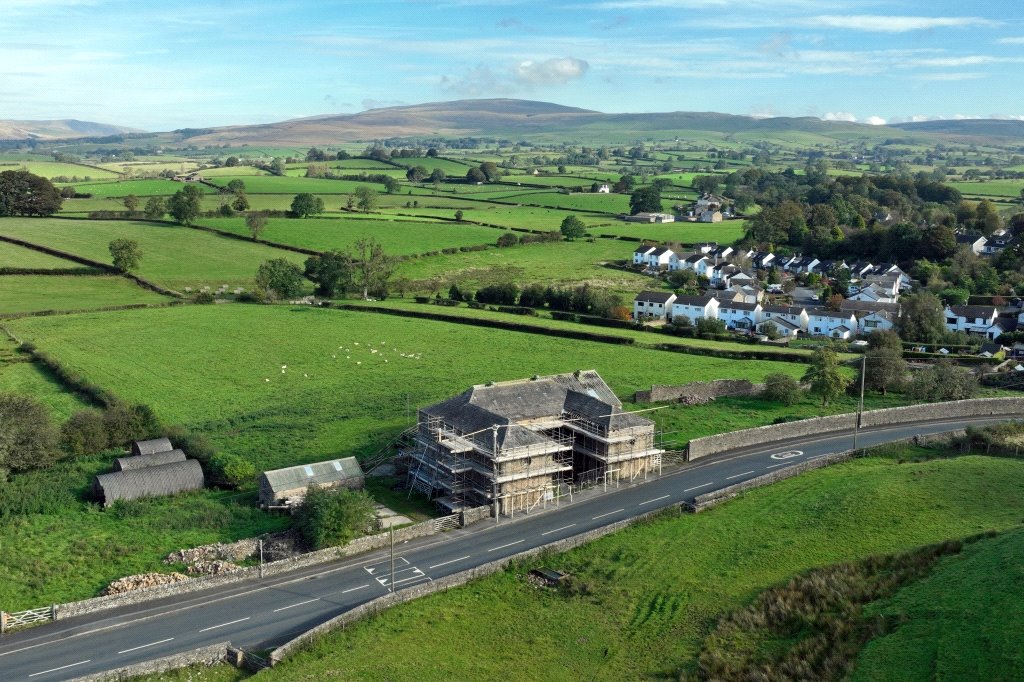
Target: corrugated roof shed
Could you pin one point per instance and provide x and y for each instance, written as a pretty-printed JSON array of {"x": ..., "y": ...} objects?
[
  {"x": 320, "y": 473},
  {"x": 148, "y": 447},
  {"x": 143, "y": 461},
  {"x": 152, "y": 481}
]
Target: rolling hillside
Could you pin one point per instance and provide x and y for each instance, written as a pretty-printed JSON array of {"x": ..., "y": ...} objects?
[{"x": 58, "y": 129}]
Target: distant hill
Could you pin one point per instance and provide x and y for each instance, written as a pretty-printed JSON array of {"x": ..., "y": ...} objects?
[
  {"x": 514, "y": 119},
  {"x": 972, "y": 127},
  {"x": 58, "y": 129}
]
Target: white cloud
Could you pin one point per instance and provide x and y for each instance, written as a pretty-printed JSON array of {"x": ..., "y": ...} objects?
[
  {"x": 839, "y": 116},
  {"x": 556, "y": 71},
  {"x": 875, "y": 121},
  {"x": 1011, "y": 41},
  {"x": 893, "y": 24},
  {"x": 953, "y": 76}
]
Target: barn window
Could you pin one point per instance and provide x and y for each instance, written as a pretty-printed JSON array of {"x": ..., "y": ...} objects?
[{"x": 308, "y": 470}]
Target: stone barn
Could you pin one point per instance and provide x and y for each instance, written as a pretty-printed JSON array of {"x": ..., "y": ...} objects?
[
  {"x": 149, "y": 447},
  {"x": 287, "y": 487},
  {"x": 150, "y": 481}
]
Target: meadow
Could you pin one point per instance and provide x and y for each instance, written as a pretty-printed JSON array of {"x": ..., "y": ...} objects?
[
  {"x": 649, "y": 595},
  {"x": 14, "y": 256},
  {"x": 140, "y": 188},
  {"x": 991, "y": 188},
  {"x": 398, "y": 237},
  {"x": 34, "y": 293},
  {"x": 680, "y": 231},
  {"x": 51, "y": 169},
  {"x": 18, "y": 375},
  {"x": 172, "y": 255},
  {"x": 276, "y": 184}
]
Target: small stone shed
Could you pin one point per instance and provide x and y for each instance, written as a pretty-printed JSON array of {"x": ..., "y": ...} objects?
[
  {"x": 149, "y": 447},
  {"x": 143, "y": 461},
  {"x": 285, "y": 487},
  {"x": 150, "y": 481}
]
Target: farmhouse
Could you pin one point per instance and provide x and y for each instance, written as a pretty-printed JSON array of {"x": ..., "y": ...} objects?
[
  {"x": 150, "y": 481},
  {"x": 653, "y": 305},
  {"x": 513, "y": 444},
  {"x": 287, "y": 487},
  {"x": 710, "y": 217}
]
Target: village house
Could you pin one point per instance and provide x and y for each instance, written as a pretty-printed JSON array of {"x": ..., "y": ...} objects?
[
  {"x": 974, "y": 242},
  {"x": 604, "y": 189},
  {"x": 659, "y": 258},
  {"x": 794, "y": 315},
  {"x": 710, "y": 217},
  {"x": 694, "y": 308},
  {"x": 761, "y": 260},
  {"x": 736, "y": 315},
  {"x": 836, "y": 325},
  {"x": 783, "y": 327},
  {"x": 972, "y": 319},
  {"x": 641, "y": 253},
  {"x": 653, "y": 305}
]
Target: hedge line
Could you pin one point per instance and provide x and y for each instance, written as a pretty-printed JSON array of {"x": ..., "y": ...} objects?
[
  {"x": 103, "y": 309},
  {"x": 72, "y": 380},
  {"x": 71, "y": 272}
]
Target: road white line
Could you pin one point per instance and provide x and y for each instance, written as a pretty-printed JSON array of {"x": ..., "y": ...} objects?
[
  {"x": 780, "y": 464},
  {"x": 136, "y": 648},
  {"x": 353, "y": 589},
  {"x": 601, "y": 516},
  {"x": 214, "y": 627},
  {"x": 729, "y": 478},
  {"x": 654, "y": 500},
  {"x": 53, "y": 670},
  {"x": 405, "y": 580},
  {"x": 445, "y": 563},
  {"x": 285, "y": 608},
  {"x": 698, "y": 487},
  {"x": 494, "y": 549},
  {"x": 557, "y": 529}
]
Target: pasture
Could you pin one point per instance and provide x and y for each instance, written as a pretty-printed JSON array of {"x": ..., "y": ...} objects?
[
  {"x": 683, "y": 232},
  {"x": 18, "y": 375},
  {"x": 14, "y": 256},
  {"x": 140, "y": 188},
  {"x": 52, "y": 169},
  {"x": 990, "y": 188},
  {"x": 34, "y": 293},
  {"x": 276, "y": 184},
  {"x": 172, "y": 255}
]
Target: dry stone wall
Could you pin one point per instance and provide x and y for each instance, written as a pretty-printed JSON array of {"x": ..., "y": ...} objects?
[
  {"x": 699, "y": 392},
  {"x": 208, "y": 655}
]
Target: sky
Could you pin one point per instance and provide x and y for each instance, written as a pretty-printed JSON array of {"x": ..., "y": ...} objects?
[{"x": 162, "y": 65}]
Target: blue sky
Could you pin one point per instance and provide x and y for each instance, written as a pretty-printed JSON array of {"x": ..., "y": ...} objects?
[{"x": 161, "y": 65}]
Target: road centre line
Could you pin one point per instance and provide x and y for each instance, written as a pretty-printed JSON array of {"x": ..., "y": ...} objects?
[
  {"x": 654, "y": 500},
  {"x": 601, "y": 516},
  {"x": 780, "y": 464},
  {"x": 697, "y": 487},
  {"x": 445, "y": 563},
  {"x": 214, "y": 627},
  {"x": 729, "y": 478},
  {"x": 146, "y": 645},
  {"x": 493, "y": 549},
  {"x": 353, "y": 589},
  {"x": 53, "y": 670},
  {"x": 285, "y": 608},
  {"x": 557, "y": 529}
]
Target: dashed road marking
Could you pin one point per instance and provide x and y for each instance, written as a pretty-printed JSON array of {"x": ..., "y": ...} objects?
[
  {"x": 353, "y": 589},
  {"x": 654, "y": 500},
  {"x": 285, "y": 608},
  {"x": 232, "y": 622},
  {"x": 745, "y": 473},
  {"x": 494, "y": 549},
  {"x": 53, "y": 670},
  {"x": 698, "y": 487},
  {"x": 549, "y": 532},
  {"x": 136, "y": 648},
  {"x": 601, "y": 516},
  {"x": 445, "y": 563}
]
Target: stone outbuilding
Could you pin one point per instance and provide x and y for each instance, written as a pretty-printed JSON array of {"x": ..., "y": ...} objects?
[{"x": 287, "y": 487}]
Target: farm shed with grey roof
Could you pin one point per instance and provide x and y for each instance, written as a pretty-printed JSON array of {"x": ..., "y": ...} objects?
[
  {"x": 152, "y": 481},
  {"x": 148, "y": 447},
  {"x": 284, "y": 486},
  {"x": 143, "y": 461}
]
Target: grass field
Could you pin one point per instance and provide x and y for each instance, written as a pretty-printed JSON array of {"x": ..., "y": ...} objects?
[
  {"x": 991, "y": 188},
  {"x": 963, "y": 622},
  {"x": 14, "y": 256},
  {"x": 352, "y": 400},
  {"x": 51, "y": 169},
  {"x": 172, "y": 255},
  {"x": 655, "y": 591},
  {"x": 32, "y": 293},
  {"x": 275, "y": 184},
  {"x": 682, "y": 232},
  {"x": 140, "y": 188},
  {"x": 17, "y": 375},
  {"x": 397, "y": 237}
]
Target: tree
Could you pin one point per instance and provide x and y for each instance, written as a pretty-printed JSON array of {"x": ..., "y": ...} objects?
[
  {"x": 366, "y": 198},
  {"x": 125, "y": 253},
  {"x": 25, "y": 194},
  {"x": 825, "y": 376},
  {"x": 771, "y": 331},
  {"x": 475, "y": 175},
  {"x": 781, "y": 388},
  {"x": 710, "y": 326},
  {"x": 332, "y": 272},
  {"x": 373, "y": 267},
  {"x": 28, "y": 439},
  {"x": 236, "y": 186},
  {"x": 329, "y": 517},
  {"x": 131, "y": 203},
  {"x": 942, "y": 381},
  {"x": 186, "y": 204},
  {"x": 241, "y": 202},
  {"x": 280, "y": 278},
  {"x": 706, "y": 184},
  {"x": 437, "y": 176},
  {"x": 573, "y": 228},
  {"x": 155, "y": 208},
  {"x": 490, "y": 171},
  {"x": 231, "y": 161},
  {"x": 416, "y": 174},
  {"x": 257, "y": 223},
  {"x": 458, "y": 215},
  {"x": 645, "y": 200},
  {"x": 84, "y": 434},
  {"x": 507, "y": 239},
  {"x": 306, "y": 204},
  {"x": 884, "y": 369},
  {"x": 390, "y": 184},
  {"x": 922, "y": 318},
  {"x": 125, "y": 423}
]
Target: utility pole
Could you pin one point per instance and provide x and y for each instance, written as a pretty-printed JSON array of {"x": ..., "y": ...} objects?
[
  {"x": 261, "y": 557},
  {"x": 391, "y": 583},
  {"x": 860, "y": 404}
]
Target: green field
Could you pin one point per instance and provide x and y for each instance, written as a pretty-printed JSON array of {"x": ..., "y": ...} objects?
[
  {"x": 398, "y": 237},
  {"x": 963, "y": 622},
  {"x": 14, "y": 256},
  {"x": 17, "y": 375},
  {"x": 33, "y": 293},
  {"x": 232, "y": 171},
  {"x": 172, "y": 255},
  {"x": 654, "y": 591},
  {"x": 275, "y": 184},
  {"x": 140, "y": 188},
  {"x": 990, "y": 188},
  {"x": 50, "y": 169},
  {"x": 682, "y": 232},
  {"x": 452, "y": 168}
]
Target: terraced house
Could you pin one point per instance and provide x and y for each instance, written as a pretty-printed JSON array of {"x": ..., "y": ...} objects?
[{"x": 516, "y": 444}]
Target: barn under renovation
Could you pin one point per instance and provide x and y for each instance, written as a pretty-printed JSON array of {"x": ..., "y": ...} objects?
[{"x": 514, "y": 444}]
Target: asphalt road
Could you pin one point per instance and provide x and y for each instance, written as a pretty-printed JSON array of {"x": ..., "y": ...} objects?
[{"x": 256, "y": 614}]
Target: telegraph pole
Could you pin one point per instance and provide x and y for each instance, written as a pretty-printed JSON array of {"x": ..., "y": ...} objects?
[
  {"x": 860, "y": 404},
  {"x": 391, "y": 583}
]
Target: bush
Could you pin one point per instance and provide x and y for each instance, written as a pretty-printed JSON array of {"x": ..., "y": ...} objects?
[
  {"x": 709, "y": 326},
  {"x": 941, "y": 382},
  {"x": 28, "y": 438},
  {"x": 507, "y": 239},
  {"x": 195, "y": 445},
  {"x": 329, "y": 517},
  {"x": 499, "y": 294},
  {"x": 203, "y": 298},
  {"x": 84, "y": 434},
  {"x": 781, "y": 388},
  {"x": 230, "y": 469}
]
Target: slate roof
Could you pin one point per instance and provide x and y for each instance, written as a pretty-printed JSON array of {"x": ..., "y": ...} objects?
[
  {"x": 305, "y": 475},
  {"x": 698, "y": 301},
  {"x": 654, "y": 296},
  {"x": 148, "y": 447},
  {"x": 784, "y": 309},
  {"x": 973, "y": 311},
  {"x": 830, "y": 314},
  {"x": 782, "y": 322},
  {"x": 143, "y": 461},
  {"x": 739, "y": 305},
  {"x": 162, "y": 479},
  {"x": 661, "y": 250},
  {"x": 868, "y": 306}
]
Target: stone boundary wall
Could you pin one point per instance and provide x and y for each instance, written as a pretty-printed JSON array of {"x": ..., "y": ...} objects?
[
  {"x": 979, "y": 407},
  {"x": 207, "y": 655},
  {"x": 443, "y": 584},
  {"x": 468, "y": 516},
  {"x": 699, "y": 392}
]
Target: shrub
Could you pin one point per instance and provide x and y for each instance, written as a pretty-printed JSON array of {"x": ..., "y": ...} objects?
[
  {"x": 125, "y": 423},
  {"x": 942, "y": 381},
  {"x": 709, "y": 326},
  {"x": 499, "y": 294},
  {"x": 195, "y": 445},
  {"x": 28, "y": 438},
  {"x": 230, "y": 469},
  {"x": 84, "y": 433},
  {"x": 203, "y": 297},
  {"x": 508, "y": 239},
  {"x": 781, "y": 388},
  {"x": 329, "y": 517}
]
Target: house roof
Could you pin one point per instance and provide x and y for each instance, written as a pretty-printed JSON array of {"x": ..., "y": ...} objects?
[
  {"x": 695, "y": 258},
  {"x": 973, "y": 311},
  {"x": 784, "y": 323},
  {"x": 739, "y": 305},
  {"x": 143, "y": 461},
  {"x": 306, "y": 475},
  {"x": 969, "y": 239},
  {"x": 830, "y": 314},
  {"x": 699, "y": 301},
  {"x": 661, "y": 250},
  {"x": 162, "y": 479},
  {"x": 868, "y": 306},
  {"x": 148, "y": 447},
  {"x": 644, "y": 249},
  {"x": 654, "y": 296},
  {"x": 841, "y": 328},
  {"x": 784, "y": 309}
]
